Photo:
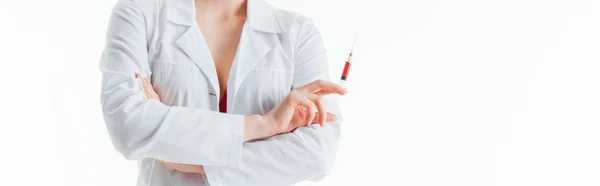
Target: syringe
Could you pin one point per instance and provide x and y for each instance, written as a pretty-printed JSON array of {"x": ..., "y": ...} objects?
[{"x": 347, "y": 67}]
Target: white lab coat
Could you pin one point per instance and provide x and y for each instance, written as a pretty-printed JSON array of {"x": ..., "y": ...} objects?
[{"x": 278, "y": 50}]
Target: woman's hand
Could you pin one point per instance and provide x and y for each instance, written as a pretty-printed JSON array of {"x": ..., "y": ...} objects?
[
  {"x": 151, "y": 94},
  {"x": 299, "y": 118},
  {"x": 148, "y": 90},
  {"x": 299, "y": 100},
  {"x": 186, "y": 168},
  {"x": 297, "y": 110}
]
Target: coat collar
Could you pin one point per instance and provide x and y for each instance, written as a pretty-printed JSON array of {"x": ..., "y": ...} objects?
[
  {"x": 261, "y": 15},
  {"x": 253, "y": 46}
]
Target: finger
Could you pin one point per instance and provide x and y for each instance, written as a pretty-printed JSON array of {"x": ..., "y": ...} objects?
[
  {"x": 308, "y": 120},
  {"x": 298, "y": 118},
  {"x": 324, "y": 92},
  {"x": 146, "y": 93},
  {"x": 179, "y": 167},
  {"x": 310, "y": 106},
  {"x": 332, "y": 88},
  {"x": 327, "y": 92},
  {"x": 331, "y": 117},
  {"x": 318, "y": 85},
  {"x": 137, "y": 75},
  {"x": 317, "y": 118},
  {"x": 311, "y": 115},
  {"x": 301, "y": 111},
  {"x": 151, "y": 89},
  {"x": 147, "y": 85},
  {"x": 168, "y": 165},
  {"x": 184, "y": 168},
  {"x": 322, "y": 112}
]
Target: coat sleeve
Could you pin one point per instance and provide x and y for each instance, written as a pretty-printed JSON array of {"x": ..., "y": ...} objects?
[
  {"x": 305, "y": 154},
  {"x": 141, "y": 127}
]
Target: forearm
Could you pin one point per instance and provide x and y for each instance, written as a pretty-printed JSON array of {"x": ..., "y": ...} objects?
[
  {"x": 142, "y": 128},
  {"x": 305, "y": 154},
  {"x": 256, "y": 127}
]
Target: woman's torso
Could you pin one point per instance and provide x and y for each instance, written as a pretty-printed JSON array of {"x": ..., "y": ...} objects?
[{"x": 183, "y": 72}]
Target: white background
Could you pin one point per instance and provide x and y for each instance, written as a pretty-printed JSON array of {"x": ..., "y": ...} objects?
[{"x": 463, "y": 92}]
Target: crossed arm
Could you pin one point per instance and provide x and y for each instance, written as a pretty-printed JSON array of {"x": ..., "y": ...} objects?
[
  {"x": 298, "y": 119},
  {"x": 145, "y": 128}
]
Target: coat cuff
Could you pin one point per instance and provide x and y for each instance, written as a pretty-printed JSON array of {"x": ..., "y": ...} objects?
[
  {"x": 203, "y": 137},
  {"x": 231, "y": 136}
]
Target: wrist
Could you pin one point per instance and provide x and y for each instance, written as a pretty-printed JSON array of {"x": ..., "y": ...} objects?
[{"x": 257, "y": 127}]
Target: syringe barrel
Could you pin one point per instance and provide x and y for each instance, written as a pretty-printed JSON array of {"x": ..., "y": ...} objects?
[{"x": 346, "y": 70}]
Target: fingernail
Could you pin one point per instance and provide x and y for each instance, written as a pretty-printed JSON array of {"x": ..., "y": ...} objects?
[{"x": 137, "y": 75}]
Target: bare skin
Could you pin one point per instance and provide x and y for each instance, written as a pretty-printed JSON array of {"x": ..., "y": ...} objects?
[{"x": 221, "y": 23}]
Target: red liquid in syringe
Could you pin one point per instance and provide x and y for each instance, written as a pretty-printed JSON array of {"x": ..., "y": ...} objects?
[{"x": 347, "y": 67}]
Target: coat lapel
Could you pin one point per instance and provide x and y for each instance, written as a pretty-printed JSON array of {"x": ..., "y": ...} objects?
[
  {"x": 191, "y": 41},
  {"x": 252, "y": 48},
  {"x": 258, "y": 37}
]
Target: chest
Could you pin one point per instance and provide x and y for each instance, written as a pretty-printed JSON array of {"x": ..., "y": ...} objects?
[
  {"x": 188, "y": 68},
  {"x": 222, "y": 38}
]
